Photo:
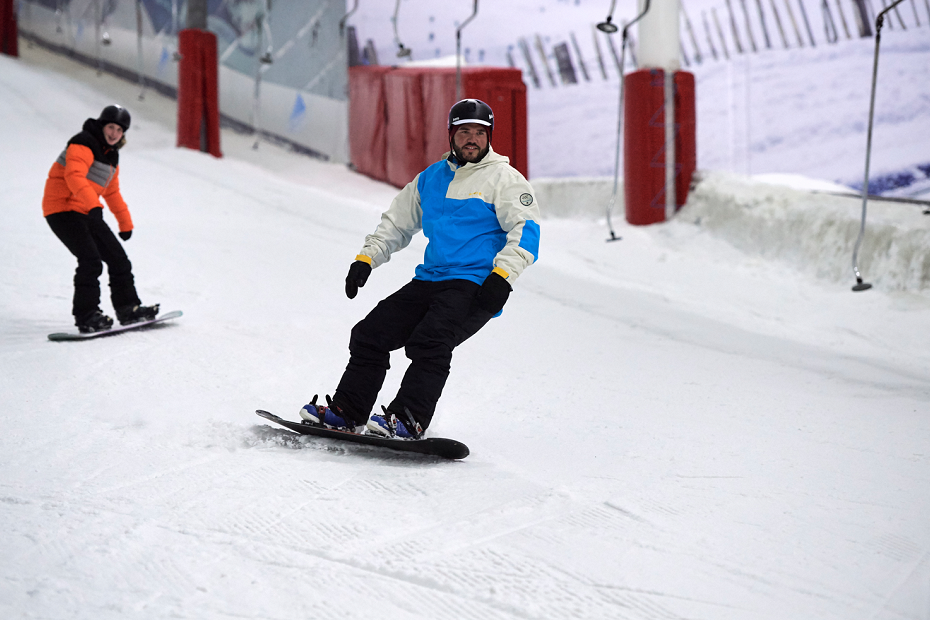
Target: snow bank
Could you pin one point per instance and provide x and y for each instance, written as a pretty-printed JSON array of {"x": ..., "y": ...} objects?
[
  {"x": 815, "y": 233},
  {"x": 782, "y": 217},
  {"x": 577, "y": 196}
]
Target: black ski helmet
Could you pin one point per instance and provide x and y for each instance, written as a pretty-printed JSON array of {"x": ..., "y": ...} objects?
[
  {"x": 471, "y": 111},
  {"x": 115, "y": 114}
]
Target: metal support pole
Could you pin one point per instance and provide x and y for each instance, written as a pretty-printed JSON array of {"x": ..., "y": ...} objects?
[
  {"x": 458, "y": 52},
  {"x": 860, "y": 285},
  {"x": 97, "y": 19},
  {"x": 402, "y": 52},
  {"x": 140, "y": 63},
  {"x": 345, "y": 18},
  {"x": 608, "y": 27},
  {"x": 261, "y": 59}
]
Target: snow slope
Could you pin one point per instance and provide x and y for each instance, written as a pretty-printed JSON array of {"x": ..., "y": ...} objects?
[{"x": 669, "y": 426}]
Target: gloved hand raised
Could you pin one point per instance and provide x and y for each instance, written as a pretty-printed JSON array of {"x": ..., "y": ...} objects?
[
  {"x": 358, "y": 275},
  {"x": 125, "y": 235},
  {"x": 493, "y": 293}
]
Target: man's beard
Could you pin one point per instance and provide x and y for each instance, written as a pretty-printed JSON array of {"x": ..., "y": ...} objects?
[{"x": 461, "y": 157}]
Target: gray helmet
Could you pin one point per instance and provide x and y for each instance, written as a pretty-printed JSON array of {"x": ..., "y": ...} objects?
[{"x": 115, "y": 114}]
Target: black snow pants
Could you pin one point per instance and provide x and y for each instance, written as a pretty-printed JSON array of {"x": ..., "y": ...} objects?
[
  {"x": 428, "y": 319},
  {"x": 93, "y": 243}
]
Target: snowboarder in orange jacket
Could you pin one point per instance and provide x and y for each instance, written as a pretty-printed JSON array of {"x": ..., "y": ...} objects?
[{"x": 86, "y": 171}]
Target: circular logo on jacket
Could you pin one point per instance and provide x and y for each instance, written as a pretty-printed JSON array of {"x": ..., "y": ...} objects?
[{"x": 526, "y": 199}]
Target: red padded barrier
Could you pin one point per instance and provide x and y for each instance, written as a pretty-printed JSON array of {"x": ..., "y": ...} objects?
[
  {"x": 368, "y": 120},
  {"x": 198, "y": 92},
  {"x": 405, "y": 154},
  {"x": 415, "y": 116},
  {"x": 644, "y": 143},
  {"x": 9, "y": 31},
  {"x": 502, "y": 89},
  {"x": 505, "y": 92}
]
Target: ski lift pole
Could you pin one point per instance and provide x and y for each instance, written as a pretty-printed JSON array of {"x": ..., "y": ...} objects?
[
  {"x": 261, "y": 24},
  {"x": 860, "y": 285},
  {"x": 458, "y": 52},
  {"x": 97, "y": 19},
  {"x": 139, "y": 62},
  {"x": 402, "y": 52},
  {"x": 345, "y": 18},
  {"x": 608, "y": 27}
]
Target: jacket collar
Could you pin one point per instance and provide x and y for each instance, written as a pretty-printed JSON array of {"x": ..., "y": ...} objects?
[{"x": 492, "y": 158}]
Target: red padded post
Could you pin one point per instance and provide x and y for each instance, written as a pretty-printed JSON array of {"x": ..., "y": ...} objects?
[
  {"x": 644, "y": 143},
  {"x": 9, "y": 31},
  {"x": 198, "y": 92}
]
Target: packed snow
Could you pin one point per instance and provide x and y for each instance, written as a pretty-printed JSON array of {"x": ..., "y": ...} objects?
[{"x": 698, "y": 421}]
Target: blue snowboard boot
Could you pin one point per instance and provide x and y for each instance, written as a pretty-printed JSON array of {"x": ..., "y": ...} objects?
[
  {"x": 388, "y": 425},
  {"x": 329, "y": 417}
]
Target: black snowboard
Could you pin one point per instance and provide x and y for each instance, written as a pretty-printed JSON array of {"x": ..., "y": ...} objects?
[
  {"x": 118, "y": 329},
  {"x": 434, "y": 446}
]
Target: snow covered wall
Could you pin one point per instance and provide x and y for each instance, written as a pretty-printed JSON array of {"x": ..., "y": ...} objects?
[
  {"x": 297, "y": 50},
  {"x": 797, "y": 221},
  {"x": 814, "y": 232}
]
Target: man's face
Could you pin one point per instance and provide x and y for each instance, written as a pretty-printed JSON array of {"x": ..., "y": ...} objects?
[
  {"x": 470, "y": 142},
  {"x": 112, "y": 132}
]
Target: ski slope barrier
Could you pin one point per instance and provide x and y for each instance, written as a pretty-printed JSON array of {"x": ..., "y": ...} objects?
[
  {"x": 811, "y": 231},
  {"x": 815, "y": 232}
]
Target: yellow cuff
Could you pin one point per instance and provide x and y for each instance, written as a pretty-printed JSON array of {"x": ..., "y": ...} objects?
[
  {"x": 363, "y": 258},
  {"x": 500, "y": 272}
]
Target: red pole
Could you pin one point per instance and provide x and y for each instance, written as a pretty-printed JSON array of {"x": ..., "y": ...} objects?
[
  {"x": 644, "y": 144},
  {"x": 198, "y": 92},
  {"x": 9, "y": 32}
]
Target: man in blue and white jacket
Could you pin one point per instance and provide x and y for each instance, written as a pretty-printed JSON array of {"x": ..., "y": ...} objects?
[{"x": 482, "y": 221}]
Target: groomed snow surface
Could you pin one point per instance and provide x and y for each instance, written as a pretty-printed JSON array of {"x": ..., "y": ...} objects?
[{"x": 698, "y": 421}]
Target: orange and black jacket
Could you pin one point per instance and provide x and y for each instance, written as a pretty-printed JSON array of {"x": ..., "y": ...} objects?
[{"x": 86, "y": 171}]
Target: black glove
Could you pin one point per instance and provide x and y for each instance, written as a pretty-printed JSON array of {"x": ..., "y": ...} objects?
[
  {"x": 493, "y": 293},
  {"x": 358, "y": 276},
  {"x": 125, "y": 235}
]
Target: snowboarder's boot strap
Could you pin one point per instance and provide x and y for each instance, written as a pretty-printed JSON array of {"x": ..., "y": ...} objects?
[
  {"x": 128, "y": 315},
  {"x": 95, "y": 321},
  {"x": 328, "y": 417}
]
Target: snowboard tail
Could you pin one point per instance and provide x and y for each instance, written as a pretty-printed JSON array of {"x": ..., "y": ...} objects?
[
  {"x": 433, "y": 446},
  {"x": 118, "y": 329}
]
